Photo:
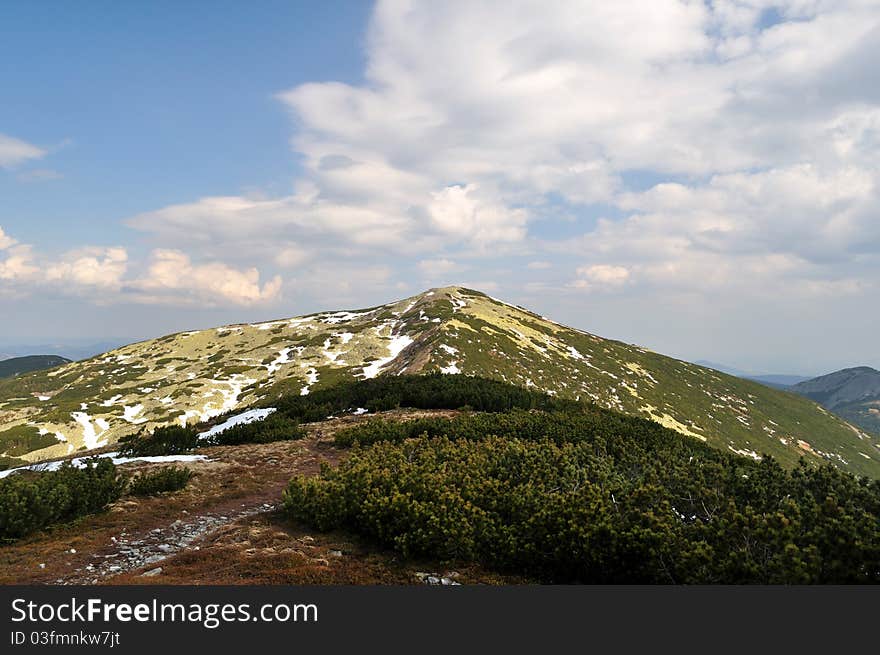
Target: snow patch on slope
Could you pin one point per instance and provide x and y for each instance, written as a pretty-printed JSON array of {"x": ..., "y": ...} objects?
[
  {"x": 244, "y": 418},
  {"x": 82, "y": 462},
  {"x": 395, "y": 347},
  {"x": 91, "y": 437}
]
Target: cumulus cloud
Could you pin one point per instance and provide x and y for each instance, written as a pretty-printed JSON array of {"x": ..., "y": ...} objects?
[
  {"x": 172, "y": 276},
  {"x": 462, "y": 212},
  {"x": 18, "y": 264},
  {"x": 474, "y": 126},
  {"x": 647, "y": 149},
  {"x": 90, "y": 268},
  {"x": 15, "y": 151},
  {"x": 6, "y": 241},
  {"x": 438, "y": 267},
  {"x": 600, "y": 276},
  {"x": 792, "y": 228},
  {"x": 103, "y": 275}
]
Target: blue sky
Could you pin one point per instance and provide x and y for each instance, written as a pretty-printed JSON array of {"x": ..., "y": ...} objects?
[
  {"x": 149, "y": 104},
  {"x": 701, "y": 179}
]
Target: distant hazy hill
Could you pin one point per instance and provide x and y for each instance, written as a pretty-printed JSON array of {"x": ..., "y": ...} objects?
[
  {"x": 18, "y": 365},
  {"x": 853, "y": 393},
  {"x": 192, "y": 376},
  {"x": 779, "y": 381},
  {"x": 73, "y": 348}
]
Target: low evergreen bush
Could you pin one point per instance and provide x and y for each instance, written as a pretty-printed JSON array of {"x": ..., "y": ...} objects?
[
  {"x": 33, "y": 501},
  {"x": 594, "y": 497},
  {"x": 152, "y": 483},
  {"x": 275, "y": 427},
  {"x": 168, "y": 440}
]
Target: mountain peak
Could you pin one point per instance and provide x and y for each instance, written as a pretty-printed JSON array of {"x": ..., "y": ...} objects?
[{"x": 194, "y": 376}]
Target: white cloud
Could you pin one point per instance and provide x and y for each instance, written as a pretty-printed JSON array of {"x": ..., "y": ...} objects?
[
  {"x": 173, "y": 277},
  {"x": 650, "y": 149},
  {"x": 291, "y": 256},
  {"x": 6, "y": 241},
  {"x": 463, "y": 212},
  {"x": 90, "y": 268},
  {"x": 438, "y": 267},
  {"x": 600, "y": 276},
  {"x": 792, "y": 229},
  {"x": 104, "y": 276},
  {"x": 471, "y": 120},
  {"x": 18, "y": 265},
  {"x": 15, "y": 151}
]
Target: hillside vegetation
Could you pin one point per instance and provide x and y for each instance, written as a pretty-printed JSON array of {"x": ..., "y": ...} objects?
[
  {"x": 489, "y": 477},
  {"x": 582, "y": 494},
  {"x": 31, "y": 502},
  {"x": 14, "y": 366},
  {"x": 192, "y": 377}
]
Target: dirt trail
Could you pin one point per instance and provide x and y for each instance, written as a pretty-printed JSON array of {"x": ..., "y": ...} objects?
[
  {"x": 238, "y": 487},
  {"x": 132, "y": 552}
]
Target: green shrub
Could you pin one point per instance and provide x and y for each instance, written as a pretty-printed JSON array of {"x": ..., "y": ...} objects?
[
  {"x": 11, "y": 462},
  {"x": 23, "y": 439},
  {"x": 169, "y": 440},
  {"x": 597, "y": 501},
  {"x": 33, "y": 501},
  {"x": 151, "y": 483},
  {"x": 275, "y": 427},
  {"x": 433, "y": 391}
]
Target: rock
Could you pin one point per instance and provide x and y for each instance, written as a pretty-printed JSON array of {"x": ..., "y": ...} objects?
[
  {"x": 432, "y": 580},
  {"x": 165, "y": 548},
  {"x": 447, "y": 582},
  {"x": 72, "y": 551},
  {"x": 307, "y": 539},
  {"x": 152, "y": 572},
  {"x": 336, "y": 553},
  {"x": 42, "y": 566}
]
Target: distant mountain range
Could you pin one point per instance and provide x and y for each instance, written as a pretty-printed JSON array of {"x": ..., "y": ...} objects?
[
  {"x": 779, "y": 381},
  {"x": 853, "y": 393},
  {"x": 191, "y": 377},
  {"x": 73, "y": 349},
  {"x": 19, "y": 365}
]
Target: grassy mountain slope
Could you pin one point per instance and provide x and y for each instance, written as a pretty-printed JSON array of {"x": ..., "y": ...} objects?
[
  {"x": 853, "y": 393},
  {"x": 14, "y": 366},
  {"x": 193, "y": 376}
]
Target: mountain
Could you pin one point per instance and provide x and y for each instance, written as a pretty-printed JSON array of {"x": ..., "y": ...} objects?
[
  {"x": 69, "y": 348},
  {"x": 853, "y": 393},
  {"x": 191, "y": 377},
  {"x": 724, "y": 368},
  {"x": 779, "y": 381},
  {"x": 17, "y": 365}
]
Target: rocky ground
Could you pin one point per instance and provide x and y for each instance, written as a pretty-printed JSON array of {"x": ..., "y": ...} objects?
[{"x": 224, "y": 528}]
